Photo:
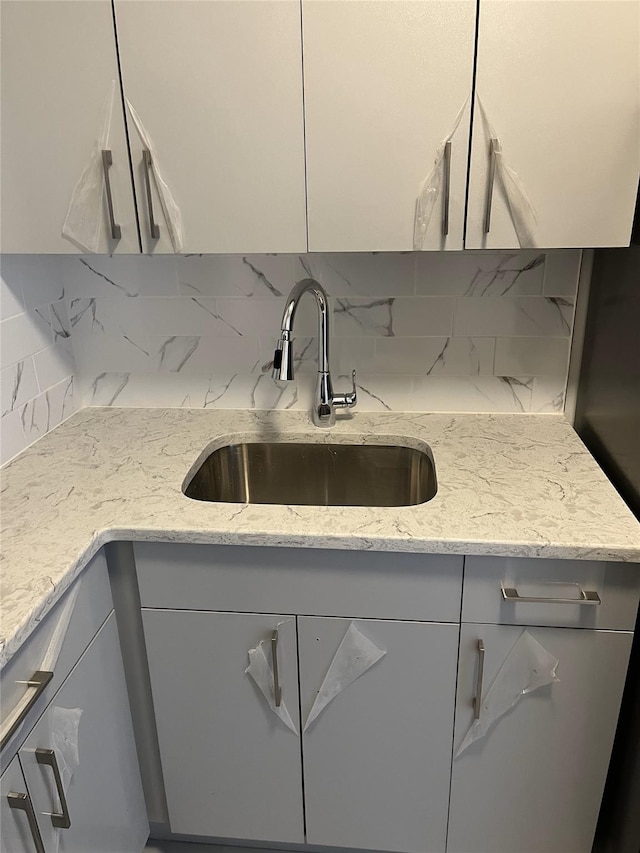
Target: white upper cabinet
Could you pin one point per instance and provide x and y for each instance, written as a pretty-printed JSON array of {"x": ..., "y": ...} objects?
[
  {"x": 558, "y": 84},
  {"x": 59, "y": 69},
  {"x": 315, "y": 125},
  {"x": 217, "y": 85},
  {"x": 385, "y": 82}
]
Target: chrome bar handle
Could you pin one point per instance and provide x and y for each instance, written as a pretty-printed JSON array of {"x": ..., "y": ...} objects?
[
  {"x": 587, "y": 596},
  {"x": 277, "y": 692},
  {"x": 107, "y": 160},
  {"x": 36, "y": 684},
  {"x": 61, "y": 819},
  {"x": 494, "y": 148},
  {"x": 446, "y": 188},
  {"x": 24, "y": 804},
  {"x": 477, "y": 701},
  {"x": 154, "y": 228}
]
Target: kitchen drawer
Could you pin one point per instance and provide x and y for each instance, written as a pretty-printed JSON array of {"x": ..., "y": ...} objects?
[
  {"x": 617, "y": 586},
  {"x": 56, "y": 645},
  {"x": 313, "y": 582}
]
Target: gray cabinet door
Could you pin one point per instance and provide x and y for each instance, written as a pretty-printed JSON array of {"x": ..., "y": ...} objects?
[
  {"x": 59, "y": 71},
  {"x": 88, "y": 726},
  {"x": 217, "y": 85},
  {"x": 231, "y": 766},
  {"x": 17, "y": 833},
  {"x": 534, "y": 782},
  {"x": 377, "y": 759}
]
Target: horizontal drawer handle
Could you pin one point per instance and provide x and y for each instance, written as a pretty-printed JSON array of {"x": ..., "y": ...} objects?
[
  {"x": 510, "y": 593},
  {"x": 35, "y": 686}
]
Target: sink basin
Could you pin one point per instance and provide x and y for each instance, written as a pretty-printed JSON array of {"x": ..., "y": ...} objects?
[{"x": 315, "y": 475}]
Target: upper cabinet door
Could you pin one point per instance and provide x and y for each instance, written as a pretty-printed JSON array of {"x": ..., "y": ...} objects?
[
  {"x": 59, "y": 69},
  {"x": 385, "y": 82},
  {"x": 558, "y": 85},
  {"x": 217, "y": 86}
]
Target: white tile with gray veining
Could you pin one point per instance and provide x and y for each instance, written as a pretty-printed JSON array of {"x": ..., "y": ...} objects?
[
  {"x": 478, "y": 273},
  {"x": 409, "y": 315},
  {"x": 507, "y": 485},
  {"x": 526, "y": 316},
  {"x": 36, "y": 352}
]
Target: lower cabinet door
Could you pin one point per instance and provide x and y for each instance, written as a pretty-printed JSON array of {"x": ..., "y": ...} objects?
[
  {"x": 534, "y": 781},
  {"x": 231, "y": 765},
  {"x": 377, "y": 758},
  {"x": 19, "y": 831},
  {"x": 80, "y": 759}
]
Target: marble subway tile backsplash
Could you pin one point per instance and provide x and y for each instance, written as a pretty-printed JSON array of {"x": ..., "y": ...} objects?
[
  {"x": 464, "y": 331},
  {"x": 37, "y": 369},
  {"x": 461, "y": 331}
]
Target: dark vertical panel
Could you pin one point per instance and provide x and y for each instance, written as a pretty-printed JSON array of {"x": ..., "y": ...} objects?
[{"x": 608, "y": 421}]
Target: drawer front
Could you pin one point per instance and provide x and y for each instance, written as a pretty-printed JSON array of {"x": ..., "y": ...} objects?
[
  {"x": 356, "y": 584},
  {"x": 55, "y": 645},
  {"x": 602, "y": 595}
]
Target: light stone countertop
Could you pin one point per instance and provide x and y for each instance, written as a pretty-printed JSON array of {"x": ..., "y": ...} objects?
[{"x": 511, "y": 485}]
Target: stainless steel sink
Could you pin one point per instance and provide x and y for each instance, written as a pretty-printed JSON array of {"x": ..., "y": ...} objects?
[{"x": 315, "y": 474}]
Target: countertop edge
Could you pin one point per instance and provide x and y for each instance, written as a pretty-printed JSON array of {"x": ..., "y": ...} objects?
[{"x": 401, "y": 544}]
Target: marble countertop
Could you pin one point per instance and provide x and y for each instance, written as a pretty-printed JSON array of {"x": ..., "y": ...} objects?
[{"x": 513, "y": 485}]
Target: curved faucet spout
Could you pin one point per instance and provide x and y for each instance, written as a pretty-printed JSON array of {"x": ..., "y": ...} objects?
[
  {"x": 310, "y": 285},
  {"x": 283, "y": 362}
]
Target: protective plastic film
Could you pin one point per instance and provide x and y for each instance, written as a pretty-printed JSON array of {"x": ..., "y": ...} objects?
[
  {"x": 83, "y": 223},
  {"x": 170, "y": 210},
  {"x": 261, "y": 672},
  {"x": 430, "y": 188},
  {"x": 51, "y": 654},
  {"x": 527, "y": 667},
  {"x": 65, "y": 725},
  {"x": 521, "y": 210},
  {"x": 355, "y": 655}
]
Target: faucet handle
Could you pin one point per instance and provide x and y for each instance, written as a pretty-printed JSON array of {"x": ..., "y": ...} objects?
[{"x": 351, "y": 398}]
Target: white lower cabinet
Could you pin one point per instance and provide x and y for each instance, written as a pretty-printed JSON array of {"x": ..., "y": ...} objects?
[
  {"x": 86, "y": 731},
  {"x": 231, "y": 767},
  {"x": 533, "y": 783},
  {"x": 377, "y": 760},
  {"x": 19, "y": 831},
  {"x": 378, "y": 767}
]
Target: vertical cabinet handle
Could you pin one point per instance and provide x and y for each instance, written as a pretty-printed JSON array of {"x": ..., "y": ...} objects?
[
  {"x": 277, "y": 692},
  {"x": 107, "y": 160},
  {"x": 494, "y": 148},
  {"x": 477, "y": 702},
  {"x": 154, "y": 228},
  {"x": 24, "y": 804},
  {"x": 60, "y": 819},
  {"x": 446, "y": 190}
]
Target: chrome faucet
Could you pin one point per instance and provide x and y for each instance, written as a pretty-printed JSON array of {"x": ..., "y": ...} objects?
[{"x": 326, "y": 401}]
